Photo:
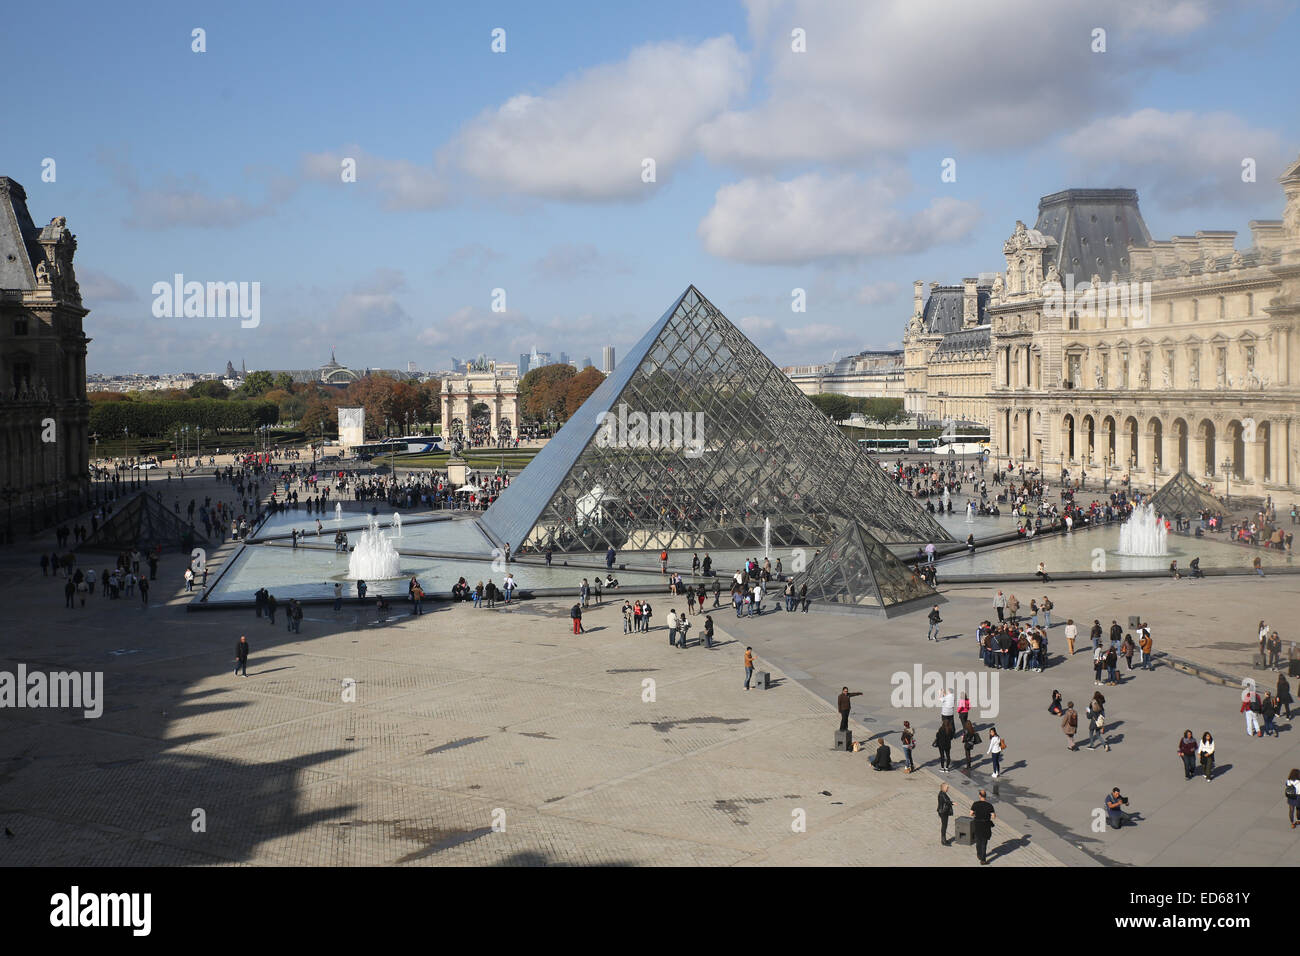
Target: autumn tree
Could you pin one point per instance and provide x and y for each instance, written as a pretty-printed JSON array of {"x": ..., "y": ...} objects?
[
  {"x": 545, "y": 390},
  {"x": 580, "y": 388}
]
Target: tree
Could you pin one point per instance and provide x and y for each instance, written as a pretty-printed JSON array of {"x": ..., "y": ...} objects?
[
  {"x": 211, "y": 388},
  {"x": 580, "y": 388},
  {"x": 283, "y": 381},
  {"x": 835, "y": 407},
  {"x": 886, "y": 411},
  {"x": 257, "y": 383},
  {"x": 545, "y": 390}
]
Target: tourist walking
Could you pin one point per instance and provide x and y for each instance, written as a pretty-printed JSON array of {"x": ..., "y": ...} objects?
[
  {"x": 241, "y": 656},
  {"x": 1098, "y": 662},
  {"x": 1205, "y": 752},
  {"x": 945, "y": 811},
  {"x": 996, "y": 748},
  {"x": 982, "y": 820},
  {"x": 1000, "y": 605},
  {"x": 749, "y": 668},
  {"x": 1284, "y": 695},
  {"x": 338, "y": 597},
  {"x": 671, "y": 620},
  {"x": 575, "y": 614},
  {"x": 1145, "y": 645},
  {"x": 908, "y": 740},
  {"x": 1070, "y": 724},
  {"x": 970, "y": 739},
  {"x": 943, "y": 742},
  {"x": 1292, "y": 790},
  {"x": 1250, "y": 706},
  {"x": 933, "y": 633},
  {"x": 708, "y": 631},
  {"x": 1071, "y": 633},
  {"x": 1187, "y": 751},
  {"x": 1268, "y": 710}
]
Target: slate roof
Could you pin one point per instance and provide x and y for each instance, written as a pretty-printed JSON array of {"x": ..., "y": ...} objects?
[
  {"x": 17, "y": 237},
  {"x": 1093, "y": 229},
  {"x": 975, "y": 339},
  {"x": 943, "y": 310}
]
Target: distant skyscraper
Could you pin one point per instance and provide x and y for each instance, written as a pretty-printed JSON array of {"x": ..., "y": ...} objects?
[
  {"x": 607, "y": 359},
  {"x": 564, "y": 358},
  {"x": 586, "y": 363},
  {"x": 523, "y": 364},
  {"x": 410, "y": 366}
]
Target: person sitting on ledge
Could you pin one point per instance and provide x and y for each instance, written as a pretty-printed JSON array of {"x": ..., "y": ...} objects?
[
  {"x": 610, "y": 582},
  {"x": 882, "y": 759},
  {"x": 1173, "y": 570}
]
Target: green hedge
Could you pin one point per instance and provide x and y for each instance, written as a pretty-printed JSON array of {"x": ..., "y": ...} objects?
[{"x": 161, "y": 418}]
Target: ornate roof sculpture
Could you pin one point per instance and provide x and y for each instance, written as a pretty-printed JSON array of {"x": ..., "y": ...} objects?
[{"x": 697, "y": 441}]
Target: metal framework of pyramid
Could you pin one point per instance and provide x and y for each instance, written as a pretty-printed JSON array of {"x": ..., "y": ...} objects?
[
  {"x": 855, "y": 572},
  {"x": 143, "y": 522},
  {"x": 1182, "y": 495},
  {"x": 697, "y": 441}
]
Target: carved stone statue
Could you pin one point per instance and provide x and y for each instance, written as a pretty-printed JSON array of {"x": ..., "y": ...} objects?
[
  {"x": 42, "y": 273},
  {"x": 1165, "y": 377},
  {"x": 1101, "y": 379},
  {"x": 1237, "y": 260},
  {"x": 1053, "y": 275},
  {"x": 997, "y": 286},
  {"x": 1194, "y": 371},
  {"x": 1221, "y": 375}
]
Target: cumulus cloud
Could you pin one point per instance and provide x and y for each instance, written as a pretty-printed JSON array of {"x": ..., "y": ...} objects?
[
  {"x": 399, "y": 184},
  {"x": 817, "y": 217},
  {"x": 893, "y": 74},
  {"x": 1181, "y": 159},
  {"x": 572, "y": 260},
  {"x": 796, "y": 340},
  {"x": 586, "y": 138},
  {"x": 176, "y": 201}
]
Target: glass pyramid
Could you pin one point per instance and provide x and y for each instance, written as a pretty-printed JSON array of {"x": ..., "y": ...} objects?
[
  {"x": 857, "y": 572},
  {"x": 697, "y": 441},
  {"x": 144, "y": 522},
  {"x": 1183, "y": 495}
]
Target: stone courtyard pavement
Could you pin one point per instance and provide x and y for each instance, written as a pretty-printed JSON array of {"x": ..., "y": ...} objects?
[{"x": 461, "y": 719}]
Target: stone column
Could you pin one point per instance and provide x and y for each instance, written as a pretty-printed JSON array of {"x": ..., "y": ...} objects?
[
  {"x": 1195, "y": 453},
  {"x": 1146, "y": 451},
  {"x": 1252, "y": 465}
]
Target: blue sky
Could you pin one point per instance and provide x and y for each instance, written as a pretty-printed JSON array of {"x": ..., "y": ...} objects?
[{"x": 522, "y": 170}]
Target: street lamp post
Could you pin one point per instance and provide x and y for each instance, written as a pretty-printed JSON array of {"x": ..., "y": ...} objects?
[{"x": 1227, "y": 481}]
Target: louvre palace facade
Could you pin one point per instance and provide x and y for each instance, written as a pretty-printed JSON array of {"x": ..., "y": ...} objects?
[{"x": 1104, "y": 349}]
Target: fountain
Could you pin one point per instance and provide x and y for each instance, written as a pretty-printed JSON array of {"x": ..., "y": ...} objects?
[
  {"x": 396, "y": 524},
  {"x": 374, "y": 557},
  {"x": 945, "y": 498},
  {"x": 338, "y": 512},
  {"x": 1144, "y": 534},
  {"x": 970, "y": 512},
  {"x": 767, "y": 537}
]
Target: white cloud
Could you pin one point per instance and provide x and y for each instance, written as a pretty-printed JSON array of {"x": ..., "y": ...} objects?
[
  {"x": 571, "y": 260},
  {"x": 399, "y": 183},
  {"x": 1181, "y": 159},
  {"x": 816, "y": 217},
  {"x": 585, "y": 138},
  {"x": 892, "y": 75}
]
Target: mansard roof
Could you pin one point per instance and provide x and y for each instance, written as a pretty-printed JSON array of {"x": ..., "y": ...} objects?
[
  {"x": 18, "y": 236},
  {"x": 966, "y": 340},
  {"x": 943, "y": 310},
  {"x": 1093, "y": 229}
]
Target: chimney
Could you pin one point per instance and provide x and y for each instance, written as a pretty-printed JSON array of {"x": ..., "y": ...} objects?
[
  {"x": 916, "y": 297},
  {"x": 970, "y": 312}
]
